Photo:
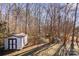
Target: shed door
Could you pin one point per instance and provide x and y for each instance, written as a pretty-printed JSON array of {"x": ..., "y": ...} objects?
[{"x": 12, "y": 43}]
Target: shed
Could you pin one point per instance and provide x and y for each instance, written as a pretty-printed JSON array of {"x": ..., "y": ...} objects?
[{"x": 15, "y": 42}]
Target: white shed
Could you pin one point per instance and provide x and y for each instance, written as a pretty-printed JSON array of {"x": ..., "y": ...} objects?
[{"x": 15, "y": 42}]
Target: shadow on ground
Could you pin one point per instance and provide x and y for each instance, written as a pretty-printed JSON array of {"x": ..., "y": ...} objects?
[
  {"x": 31, "y": 52},
  {"x": 44, "y": 48}
]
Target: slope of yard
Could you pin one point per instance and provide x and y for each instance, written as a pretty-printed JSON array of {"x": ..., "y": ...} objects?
[
  {"x": 51, "y": 50},
  {"x": 23, "y": 50}
]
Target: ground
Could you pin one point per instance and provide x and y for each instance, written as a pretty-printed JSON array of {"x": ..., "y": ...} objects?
[
  {"x": 47, "y": 49},
  {"x": 39, "y": 50}
]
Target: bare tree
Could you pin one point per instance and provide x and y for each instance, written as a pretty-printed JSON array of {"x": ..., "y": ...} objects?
[{"x": 73, "y": 33}]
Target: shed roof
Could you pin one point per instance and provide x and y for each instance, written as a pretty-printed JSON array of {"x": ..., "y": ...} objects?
[{"x": 17, "y": 35}]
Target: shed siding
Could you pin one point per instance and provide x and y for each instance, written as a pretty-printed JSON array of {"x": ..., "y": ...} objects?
[
  {"x": 25, "y": 40},
  {"x": 19, "y": 43},
  {"x": 6, "y": 44},
  {"x": 22, "y": 42}
]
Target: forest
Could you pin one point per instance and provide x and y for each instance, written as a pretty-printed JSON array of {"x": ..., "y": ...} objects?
[{"x": 41, "y": 21}]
